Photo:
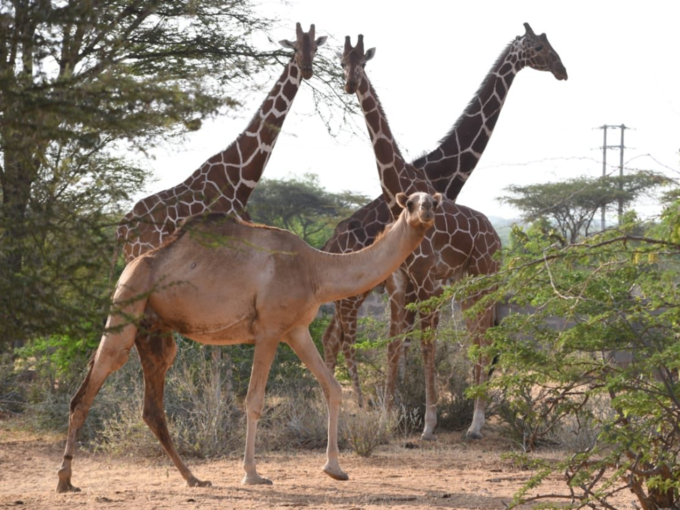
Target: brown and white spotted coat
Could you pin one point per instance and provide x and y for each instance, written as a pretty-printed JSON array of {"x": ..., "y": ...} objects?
[
  {"x": 473, "y": 240},
  {"x": 224, "y": 182}
]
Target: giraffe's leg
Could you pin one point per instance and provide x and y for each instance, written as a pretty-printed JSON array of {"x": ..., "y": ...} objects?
[
  {"x": 349, "y": 320},
  {"x": 428, "y": 347},
  {"x": 477, "y": 328},
  {"x": 301, "y": 342},
  {"x": 332, "y": 339},
  {"x": 427, "y": 288},
  {"x": 483, "y": 263},
  {"x": 409, "y": 319},
  {"x": 265, "y": 350},
  {"x": 112, "y": 353},
  {"x": 396, "y": 286},
  {"x": 157, "y": 352}
]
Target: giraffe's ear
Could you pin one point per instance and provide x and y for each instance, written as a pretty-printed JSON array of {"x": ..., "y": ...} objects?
[
  {"x": 339, "y": 55},
  {"x": 402, "y": 199},
  {"x": 369, "y": 54},
  {"x": 287, "y": 44},
  {"x": 437, "y": 200},
  {"x": 321, "y": 41}
]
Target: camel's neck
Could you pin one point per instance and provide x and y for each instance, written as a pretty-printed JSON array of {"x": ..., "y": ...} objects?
[
  {"x": 396, "y": 176},
  {"x": 233, "y": 173},
  {"x": 449, "y": 165},
  {"x": 350, "y": 274}
]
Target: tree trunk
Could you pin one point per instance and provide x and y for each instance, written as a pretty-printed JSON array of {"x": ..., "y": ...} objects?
[{"x": 18, "y": 176}]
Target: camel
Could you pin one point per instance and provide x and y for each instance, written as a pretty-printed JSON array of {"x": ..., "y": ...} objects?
[{"x": 222, "y": 281}]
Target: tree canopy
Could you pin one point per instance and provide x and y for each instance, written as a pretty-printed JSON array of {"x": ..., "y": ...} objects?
[
  {"x": 571, "y": 205},
  {"x": 302, "y": 206},
  {"x": 82, "y": 84}
]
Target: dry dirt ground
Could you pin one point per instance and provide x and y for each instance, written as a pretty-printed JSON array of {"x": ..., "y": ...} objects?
[{"x": 446, "y": 473}]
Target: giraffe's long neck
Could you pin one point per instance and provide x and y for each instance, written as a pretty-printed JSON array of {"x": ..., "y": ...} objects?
[
  {"x": 396, "y": 176},
  {"x": 449, "y": 165},
  {"x": 233, "y": 173}
]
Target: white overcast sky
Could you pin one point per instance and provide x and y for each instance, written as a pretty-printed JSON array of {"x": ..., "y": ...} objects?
[{"x": 431, "y": 56}]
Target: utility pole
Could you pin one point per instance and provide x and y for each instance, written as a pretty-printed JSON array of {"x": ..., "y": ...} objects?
[{"x": 621, "y": 148}]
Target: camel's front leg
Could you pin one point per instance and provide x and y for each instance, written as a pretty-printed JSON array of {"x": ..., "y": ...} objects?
[
  {"x": 265, "y": 350},
  {"x": 301, "y": 342}
]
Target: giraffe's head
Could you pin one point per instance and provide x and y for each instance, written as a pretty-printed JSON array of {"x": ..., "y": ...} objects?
[
  {"x": 353, "y": 60},
  {"x": 305, "y": 47},
  {"x": 420, "y": 208},
  {"x": 541, "y": 56}
]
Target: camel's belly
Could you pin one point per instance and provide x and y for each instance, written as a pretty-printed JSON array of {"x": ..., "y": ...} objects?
[
  {"x": 218, "y": 333},
  {"x": 217, "y": 321}
]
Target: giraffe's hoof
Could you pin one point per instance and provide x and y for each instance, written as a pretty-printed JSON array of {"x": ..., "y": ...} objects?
[
  {"x": 255, "y": 480},
  {"x": 427, "y": 436},
  {"x": 336, "y": 474},
  {"x": 471, "y": 434},
  {"x": 195, "y": 482}
]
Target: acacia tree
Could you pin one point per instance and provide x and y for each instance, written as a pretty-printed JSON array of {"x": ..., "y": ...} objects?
[
  {"x": 593, "y": 353},
  {"x": 82, "y": 82},
  {"x": 572, "y": 205},
  {"x": 302, "y": 206}
]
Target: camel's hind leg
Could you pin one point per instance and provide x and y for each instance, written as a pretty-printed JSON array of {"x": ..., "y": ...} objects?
[
  {"x": 157, "y": 351},
  {"x": 129, "y": 302},
  {"x": 112, "y": 354}
]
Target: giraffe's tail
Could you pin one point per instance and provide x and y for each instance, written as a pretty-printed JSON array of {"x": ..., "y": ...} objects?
[{"x": 114, "y": 259}]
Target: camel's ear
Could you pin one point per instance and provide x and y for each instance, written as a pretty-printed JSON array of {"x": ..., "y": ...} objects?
[
  {"x": 437, "y": 199},
  {"x": 402, "y": 199},
  {"x": 287, "y": 44},
  {"x": 321, "y": 41},
  {"x": 369, "y": 54}
]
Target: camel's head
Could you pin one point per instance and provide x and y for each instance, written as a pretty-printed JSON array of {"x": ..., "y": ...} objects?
[
  {"x": 419, "y": 208},
  {"x": 353, "y": 61},
  {"x": 305, "y": 47},
  {"x": 540, "y": 55}
]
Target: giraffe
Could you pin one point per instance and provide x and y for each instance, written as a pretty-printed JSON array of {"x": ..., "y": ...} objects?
[
  {"x": 461, "y": 240},
  {"x": 248, "y": 284},
  {"x": 224, "y": 182},
  {"x": 447, "y": 168}
]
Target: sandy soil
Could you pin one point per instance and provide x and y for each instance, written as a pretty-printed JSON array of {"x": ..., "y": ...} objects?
[{"x": 446, "y": 473}]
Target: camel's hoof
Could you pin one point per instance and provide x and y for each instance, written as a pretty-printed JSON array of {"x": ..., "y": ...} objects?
[
  {"x": 473, "y": 435},
  {"x": 65, "y": 486},
  {"x": 255, "y": 480},
  {"x": 199, "y": 483},
  {"x": 336, "y": 474}
]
